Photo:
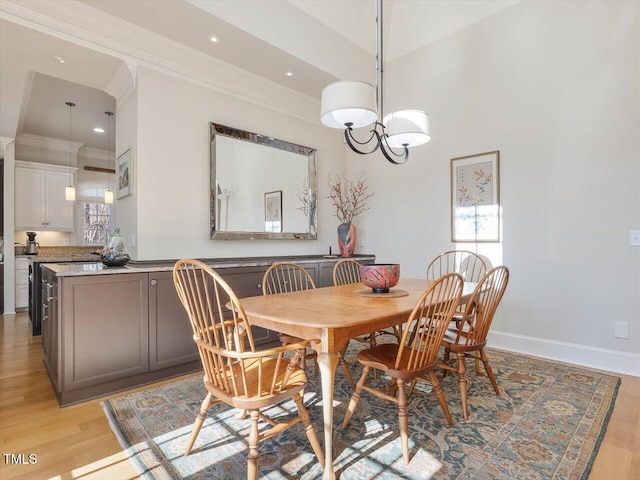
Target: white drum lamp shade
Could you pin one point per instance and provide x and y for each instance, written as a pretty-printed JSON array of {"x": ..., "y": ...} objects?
[
  {"x": 348, "y": 102},
  {"x": 407, "y": 128},
  {"x": 108, "y": 197}
]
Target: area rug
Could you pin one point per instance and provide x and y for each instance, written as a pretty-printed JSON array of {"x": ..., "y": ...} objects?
[{"x": 547, "y": 424}]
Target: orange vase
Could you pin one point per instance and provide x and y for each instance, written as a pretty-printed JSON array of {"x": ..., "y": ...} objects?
[{"x": 347, "y": 239}]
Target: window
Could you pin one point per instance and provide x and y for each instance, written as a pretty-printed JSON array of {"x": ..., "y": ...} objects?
[{"x": 96, "y": 224}]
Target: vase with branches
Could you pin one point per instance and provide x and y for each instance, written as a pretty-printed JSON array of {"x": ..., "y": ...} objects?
[{"x": 349, "y": 198}]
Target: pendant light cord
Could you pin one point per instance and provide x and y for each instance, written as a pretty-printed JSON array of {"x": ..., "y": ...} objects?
[{"x": 70, "y": 104}]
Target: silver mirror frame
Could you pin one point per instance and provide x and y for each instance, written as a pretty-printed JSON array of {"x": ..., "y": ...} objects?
[{"x": 216, "y": 129}]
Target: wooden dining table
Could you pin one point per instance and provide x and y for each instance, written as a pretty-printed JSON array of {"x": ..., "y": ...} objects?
[{"x": 334, "y": 315}]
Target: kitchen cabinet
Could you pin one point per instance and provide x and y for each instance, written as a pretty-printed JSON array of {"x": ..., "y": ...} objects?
[
  {"x": 22, "y": 282},
  {"x": 40, "y": 202},
  {"x": 107, "y": 330}
]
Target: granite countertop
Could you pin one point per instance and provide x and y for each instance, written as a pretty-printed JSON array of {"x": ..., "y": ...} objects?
[
  {"x": 97, "y": 268},
  {"x": 65, "y": 257}
]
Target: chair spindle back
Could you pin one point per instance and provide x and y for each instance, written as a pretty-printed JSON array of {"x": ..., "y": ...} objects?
[
  {"x": 428, "y": 322},
  {"x": 283, "y": 277},
  {"x": 468, "y": 264},
  {"x": 483, "y": 305},
  {"x": 346, "y": 272}
]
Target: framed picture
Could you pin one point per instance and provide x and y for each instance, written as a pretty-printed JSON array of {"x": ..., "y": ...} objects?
[
  {"x": 475, "y": 198},
  {"x": 273, "y": 211},
  {"x": 124, "y": 174}
]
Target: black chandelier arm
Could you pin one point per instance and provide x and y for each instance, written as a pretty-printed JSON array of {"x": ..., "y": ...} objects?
[
  {"x": 388, "y": 151},
  {"x": 351, "y": 141},
  {"x": 381, "y": 143}
]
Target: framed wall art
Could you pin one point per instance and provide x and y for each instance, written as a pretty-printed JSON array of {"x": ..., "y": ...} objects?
[
  {"x": 475, "y": 198},
  {"x": 273, "y": 211},
  {"x": 124, "y": 174}
]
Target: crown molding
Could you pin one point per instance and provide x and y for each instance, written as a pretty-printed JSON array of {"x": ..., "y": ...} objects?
[
  {"x": 4, "y": 142},
  {"x": 86, "y": 26},
  {"x": 123, "y": 82},
  {"x": 48, "y": 143},
  {"x": 26, "y": 94},
  {"x": 45, "y": 166},
  {"x": 97, "y": 154}
]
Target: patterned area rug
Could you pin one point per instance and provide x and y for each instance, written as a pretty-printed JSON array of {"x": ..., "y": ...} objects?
[{"x": 548, "y": 424}]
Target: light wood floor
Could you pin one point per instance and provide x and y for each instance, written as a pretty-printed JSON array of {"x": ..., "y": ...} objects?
[{"x": 77, "y": 443}]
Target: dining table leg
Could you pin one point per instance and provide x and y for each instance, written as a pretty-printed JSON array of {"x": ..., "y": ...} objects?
[{"x": 328, "y": 361}]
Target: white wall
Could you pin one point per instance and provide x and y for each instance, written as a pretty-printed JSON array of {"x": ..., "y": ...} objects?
[
  {"x": 125, "y": 214},
  {"x": 555, "y": 87},
  {"x": 172, "y": 169},
  {"x": 9, "y": 154}
]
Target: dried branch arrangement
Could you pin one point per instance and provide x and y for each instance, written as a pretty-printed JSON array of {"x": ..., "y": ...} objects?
[{"x": 349, "y": 197}]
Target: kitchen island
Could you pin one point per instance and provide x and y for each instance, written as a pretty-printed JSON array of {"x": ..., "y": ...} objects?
[
  {"x": 107, "y": 329},
  {"x": 51, "y": 255}
]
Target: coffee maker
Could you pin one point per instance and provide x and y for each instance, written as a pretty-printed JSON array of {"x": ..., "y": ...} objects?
[{"x": 32, "y": 245}]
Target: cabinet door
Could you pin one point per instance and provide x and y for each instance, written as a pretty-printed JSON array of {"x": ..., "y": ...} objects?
[
  {"x": 105, "y": 333},
  {"x": 247, "y": 282},
  {"x": 170, "y": 334},
  {"x": 58, "y": 211},
  {"x": 30, "y": 198},
  {"x": 22, "y": 296}
]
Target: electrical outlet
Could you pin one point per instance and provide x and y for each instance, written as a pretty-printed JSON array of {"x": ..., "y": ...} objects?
[
  {"x": 622, "y": 330},
  {"x": 65, "y": 241},
  {"x": 634, "y": 238},
  {"x": 132, "y": 240},
  {"x": 361, "y": 241}
]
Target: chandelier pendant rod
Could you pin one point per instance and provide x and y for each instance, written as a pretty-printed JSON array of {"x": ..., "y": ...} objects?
[{"x": 379, "y": 61}]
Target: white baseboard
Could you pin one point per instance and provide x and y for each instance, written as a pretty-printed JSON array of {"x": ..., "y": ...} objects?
[{"x": 592, "y": 357}]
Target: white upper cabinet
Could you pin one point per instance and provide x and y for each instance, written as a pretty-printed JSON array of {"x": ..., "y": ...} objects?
[{"x": 40, "y": 197}]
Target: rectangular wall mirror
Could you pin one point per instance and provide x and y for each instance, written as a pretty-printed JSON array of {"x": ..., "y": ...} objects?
[{"x": 261, "y": 187}]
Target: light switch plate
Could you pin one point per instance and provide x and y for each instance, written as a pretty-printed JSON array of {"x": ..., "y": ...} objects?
[
  {"x": 621, "y": 330},
  {"x": 634, "y": 238}
]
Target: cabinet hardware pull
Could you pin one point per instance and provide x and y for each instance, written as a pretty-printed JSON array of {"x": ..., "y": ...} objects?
[
  {"x": 154, "y": 282},
  {"x": 259, "y": 286}
]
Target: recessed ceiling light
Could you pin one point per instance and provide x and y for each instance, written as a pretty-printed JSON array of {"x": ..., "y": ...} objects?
[
  {"x": 289, "y": 74},
  {"x": 60, "y": 59},
  {"x": 98, "y": 130},
  {"x": 214, "y": 39}
]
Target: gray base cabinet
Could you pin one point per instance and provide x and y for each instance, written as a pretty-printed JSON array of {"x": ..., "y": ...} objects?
[
  {"x": 106, "y": 328},
  {"x": 51, "y": 329},
  {"x": 107, "y": 332},
  {"x": 170, "y": 334}
]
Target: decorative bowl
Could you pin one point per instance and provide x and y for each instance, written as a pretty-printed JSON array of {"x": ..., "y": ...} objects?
[{"x": 380, "y": 276}]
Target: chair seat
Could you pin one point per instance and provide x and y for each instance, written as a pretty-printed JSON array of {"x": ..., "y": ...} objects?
[
  {"x": 452, "y": 344},
  {"x": 252, "y": 398},
  {"x": 383, "y": 357}
]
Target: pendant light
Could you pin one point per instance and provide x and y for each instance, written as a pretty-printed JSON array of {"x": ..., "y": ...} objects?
[
  {"x": 70, "y": 191},
  {"x": 350, "y": 105},
  {"x": 108, "y": 193}
]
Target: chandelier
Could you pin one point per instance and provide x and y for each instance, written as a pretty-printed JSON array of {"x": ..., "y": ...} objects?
[{"x": 350, "y": 104}]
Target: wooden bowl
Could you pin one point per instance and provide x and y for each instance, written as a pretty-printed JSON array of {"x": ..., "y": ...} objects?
[{"x": 380, "y": 276}]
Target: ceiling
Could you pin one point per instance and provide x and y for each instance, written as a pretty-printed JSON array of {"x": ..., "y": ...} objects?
[{"x": 320, "y": 41}]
